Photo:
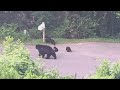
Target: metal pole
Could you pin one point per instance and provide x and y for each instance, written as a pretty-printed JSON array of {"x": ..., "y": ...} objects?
[{"x": 43, "y": 35}]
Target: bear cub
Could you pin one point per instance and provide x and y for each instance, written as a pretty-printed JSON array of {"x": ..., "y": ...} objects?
[{"x": 68, "y": 49}]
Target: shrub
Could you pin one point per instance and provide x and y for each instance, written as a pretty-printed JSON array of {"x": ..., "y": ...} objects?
[
  {"x": 104, "y": 69},
  {"x": 11, "y": 30},
  {"x": 107, "y": 70},
  {"x": 7, "y": 29},
  {"x": 115, "y": 70},
  {"x": 76, "y": 28},
  {"x": 35, "y": 33},
  {"x": 15, "y": 60}
]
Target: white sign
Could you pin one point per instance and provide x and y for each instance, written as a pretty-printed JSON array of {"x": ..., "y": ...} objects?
[{"x": 42, "y": 26}]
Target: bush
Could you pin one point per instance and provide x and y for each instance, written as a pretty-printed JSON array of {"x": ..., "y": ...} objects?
[
  {"x": 15, "y": 63},
  {"x": 11, "y": 30},
  {"x": 35, "y": 33},
  {"x": 107, "y": 70},
  {"x": 76, "y": 28},
  {"x": 104, "y": 69},
  {"x": 7, "y": 29},
  {"x": 21, "y": 36},
  {"x": 115, "y": 70},
  {"x": 15, "y": 60}
]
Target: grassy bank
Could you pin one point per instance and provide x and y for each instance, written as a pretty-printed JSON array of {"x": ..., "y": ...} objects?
[{"x": 63, "y": 40}]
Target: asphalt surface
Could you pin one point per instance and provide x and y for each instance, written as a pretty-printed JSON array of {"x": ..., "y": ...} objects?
[{"x": 83, "y": 59}]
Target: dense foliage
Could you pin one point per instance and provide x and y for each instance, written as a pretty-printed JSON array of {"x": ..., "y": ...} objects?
[
  {"x": 107, "y": 70},
  {"x": 65, "y": 24}
]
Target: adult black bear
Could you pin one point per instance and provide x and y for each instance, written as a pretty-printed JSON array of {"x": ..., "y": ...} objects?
[
  {"x": 44, "y": 49},
  {"x": 55, "y": 49},
  {"x": 68, "y": 49},
  {"x": 49, "y": 40}
]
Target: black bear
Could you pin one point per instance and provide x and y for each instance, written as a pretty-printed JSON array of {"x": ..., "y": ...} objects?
[
  {"x": 44, "y": 49},
  {"x": 55, "y": 49},
  {"x": 68, "y": 49},
  {"x": 49, "y": 40}
]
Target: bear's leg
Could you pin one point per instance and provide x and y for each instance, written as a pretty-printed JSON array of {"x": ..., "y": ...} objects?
[
  {"x": 43, "y": 55},
  {"x": 39, "y": 54},
  {"x": 48, "y": 56},
  {"x": 54, "y": 55},
  {"x": 53, "y": 42}
]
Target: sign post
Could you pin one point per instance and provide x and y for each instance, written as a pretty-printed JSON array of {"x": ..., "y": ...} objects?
[
  {"x": 43, "y": 35},
  {"x": 42, "y": 28}
]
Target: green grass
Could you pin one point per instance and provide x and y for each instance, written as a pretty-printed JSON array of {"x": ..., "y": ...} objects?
[{"x": 64, "y": 41}]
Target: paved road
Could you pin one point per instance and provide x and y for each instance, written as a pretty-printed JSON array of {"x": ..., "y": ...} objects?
[{"x": 82, "y": 60}]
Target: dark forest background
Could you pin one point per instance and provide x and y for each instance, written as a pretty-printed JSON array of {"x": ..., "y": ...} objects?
[{"x": 62, "y": 24}]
